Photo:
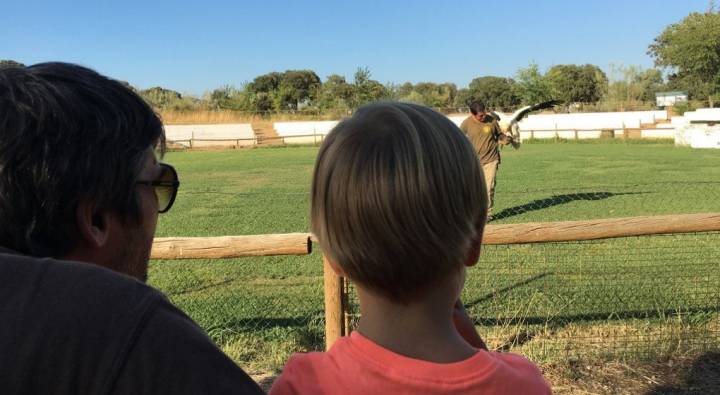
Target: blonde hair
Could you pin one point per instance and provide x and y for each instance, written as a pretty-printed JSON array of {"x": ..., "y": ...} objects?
[{"x": 398, "y": 197}]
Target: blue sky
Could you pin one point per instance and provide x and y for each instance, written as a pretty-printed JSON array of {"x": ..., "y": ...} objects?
[{"x": 196, "y": 46}]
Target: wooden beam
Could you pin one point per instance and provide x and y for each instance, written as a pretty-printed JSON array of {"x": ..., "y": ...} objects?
[
  {"x": 541, "y": 232},
  {"x": 230, "y": 246},
  {"x": 300, "y": 243},
  {"x": 334, "y": 308}
]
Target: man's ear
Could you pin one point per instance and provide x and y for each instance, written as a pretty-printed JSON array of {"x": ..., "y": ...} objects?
[{"x": 93, "y": 225}]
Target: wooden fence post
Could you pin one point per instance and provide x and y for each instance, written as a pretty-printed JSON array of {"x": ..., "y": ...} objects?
[{"x": 334, "y": 311}]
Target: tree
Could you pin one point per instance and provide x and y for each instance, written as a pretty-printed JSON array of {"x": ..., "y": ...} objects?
[
  {"x": 7, "y": 63},
  {"x": 230, "y": 98},
  {"x": 690, "y": 49},
  {"x": 366, "y": 90},
  {"x": 532, "y": 86},
  {"x": 298, "y": 86},
  {"x": 160, "y": 98},
  {"x": 428, "y": 93},
  {"x": 495, "y": 92},
  {"x": 631, "y": 85},
  {"x": 577, "y": 84},
  {"x": 283, "y": 91},
  {"x": 335, "y": 93},
  {"x": 463, "y": 98},
  {"x": 265, "y": 83}
]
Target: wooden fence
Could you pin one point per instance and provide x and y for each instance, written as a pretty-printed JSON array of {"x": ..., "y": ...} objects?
[
  {"x": 336, "y": 318},
  {"x": 191, "y": 143}
]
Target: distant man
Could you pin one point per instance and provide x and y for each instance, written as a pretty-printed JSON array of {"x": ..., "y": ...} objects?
[
  {"x": 484, "y": 133},
  {"x": 80, "y": 193}
]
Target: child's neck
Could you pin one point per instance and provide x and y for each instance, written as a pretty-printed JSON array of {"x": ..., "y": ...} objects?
[{"x": 422, "y": 330}]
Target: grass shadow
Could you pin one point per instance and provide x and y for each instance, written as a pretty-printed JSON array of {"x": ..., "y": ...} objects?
[
  {"x": 201, "y": 288},
  {"x": 702, "y": 377},
  {"x": 556, "y": 200},
  {"x": 562, "y": 320},
  {"x": 509, "y": 288}
]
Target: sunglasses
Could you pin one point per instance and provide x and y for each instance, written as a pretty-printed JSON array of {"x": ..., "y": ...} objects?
[{"x": 166, "y": 187}]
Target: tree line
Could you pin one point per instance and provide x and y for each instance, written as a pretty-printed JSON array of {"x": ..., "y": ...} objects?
[{"x": 686, "y": 56}]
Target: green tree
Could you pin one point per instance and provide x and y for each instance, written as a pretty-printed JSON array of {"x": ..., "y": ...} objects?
[
  {"x": 690, "y": 49},
  {"x": 298, "y": 86},
  {"x": 335, "y": 93},
  {"x": 230, "y": 98},
  {"x": 404, "y": 90},
  {"x": 365, "y": 89},
  {"x": 283, "y": 91},
  {"x": 7, "y": 63},
  {"x": 427, "y": 93},
  {"x": 633, "y": 84},
  {"x": 572, "y": 83},
  {"x": 463, "y": 98},
  {"x": 160, "y": 98},
  {"x": 265, "y": 83},
  {"x": 495, "y": 92},
  {"x": 532, "y": 86}
]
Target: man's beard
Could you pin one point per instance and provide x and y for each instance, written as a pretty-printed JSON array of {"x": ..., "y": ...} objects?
[{"x": 133, "y": 260}]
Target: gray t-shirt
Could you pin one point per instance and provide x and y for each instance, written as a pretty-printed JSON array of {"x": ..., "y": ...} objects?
[{"x": 76, "y": 328}]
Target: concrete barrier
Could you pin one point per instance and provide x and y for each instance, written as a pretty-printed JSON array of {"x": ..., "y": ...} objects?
[
  {"x": 303, "y": 128},
  {"x": 213, "y": 135}
]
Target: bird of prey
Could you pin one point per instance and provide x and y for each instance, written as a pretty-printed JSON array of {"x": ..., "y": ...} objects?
[{"x": 509, "y": 124}]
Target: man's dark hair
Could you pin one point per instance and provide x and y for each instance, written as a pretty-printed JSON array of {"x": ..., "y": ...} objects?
[
  {"x": 67, "y": 133},
  {"x": 477, "y": 107}
]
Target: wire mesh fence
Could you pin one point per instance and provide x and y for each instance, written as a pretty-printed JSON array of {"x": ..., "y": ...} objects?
[{"x": 632, "y": 297}]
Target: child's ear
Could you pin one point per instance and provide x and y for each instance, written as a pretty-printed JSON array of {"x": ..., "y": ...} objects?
[
  {"x": 473, "y": 253},
  {"x": 335, "y": 267}
]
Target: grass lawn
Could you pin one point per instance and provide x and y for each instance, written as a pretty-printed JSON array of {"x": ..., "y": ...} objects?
[{"x": 614, "y": 299}]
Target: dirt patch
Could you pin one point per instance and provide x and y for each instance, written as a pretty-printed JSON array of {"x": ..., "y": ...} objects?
[
  {"x": 679, "y": 375},
  {"x": 265, "y": 380}
]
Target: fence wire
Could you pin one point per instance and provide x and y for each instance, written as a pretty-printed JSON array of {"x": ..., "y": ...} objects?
[
  {"x": 628, "y": 298},
  {"x": 634, "y": 297}
]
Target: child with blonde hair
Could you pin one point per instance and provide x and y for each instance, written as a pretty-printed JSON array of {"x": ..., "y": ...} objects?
[{"x": 399, "y": 207}]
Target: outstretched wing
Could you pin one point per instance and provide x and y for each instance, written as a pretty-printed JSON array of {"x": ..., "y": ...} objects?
[{"x": 521, "y": 113}]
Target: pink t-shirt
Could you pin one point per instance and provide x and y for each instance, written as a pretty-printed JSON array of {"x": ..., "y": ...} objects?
[{"x": 356, "y": 365}]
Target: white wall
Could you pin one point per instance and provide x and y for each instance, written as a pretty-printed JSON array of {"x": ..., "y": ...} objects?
[
  {"x": 605, "y": 120},
  {"x": 303, "y": 128},
  {"x": 562, "y": 125},
  {"x": 657, "y": 133},
  {"x": 227, "y": 132},
  {"x": 458, "y": 119},
  {"x": 594, "y": 122}
]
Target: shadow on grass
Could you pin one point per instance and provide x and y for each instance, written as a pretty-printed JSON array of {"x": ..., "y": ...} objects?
[
  {"x": 556, "y": 200},
  {"x": 509, "y": 288},
  {"x": 308, "y": 331},
  {"x": 702, "y": 377},
  {"x": 255, "y": 323},
  {"x": 562, "y": 320},
  {"x": 202, "y": 288}
]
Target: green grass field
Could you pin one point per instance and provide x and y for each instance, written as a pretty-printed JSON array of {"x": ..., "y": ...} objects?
[{"x": 623, "y": 298}]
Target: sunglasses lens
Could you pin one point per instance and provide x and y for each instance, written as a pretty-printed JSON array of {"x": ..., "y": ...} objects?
[{"x": 166, "y": 193}]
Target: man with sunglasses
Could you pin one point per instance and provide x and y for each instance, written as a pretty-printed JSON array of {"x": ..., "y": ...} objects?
[{"x": 80, "y": 193}]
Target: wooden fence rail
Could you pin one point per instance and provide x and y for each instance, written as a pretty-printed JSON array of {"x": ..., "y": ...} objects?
[{"x": 335, "y": 297}]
